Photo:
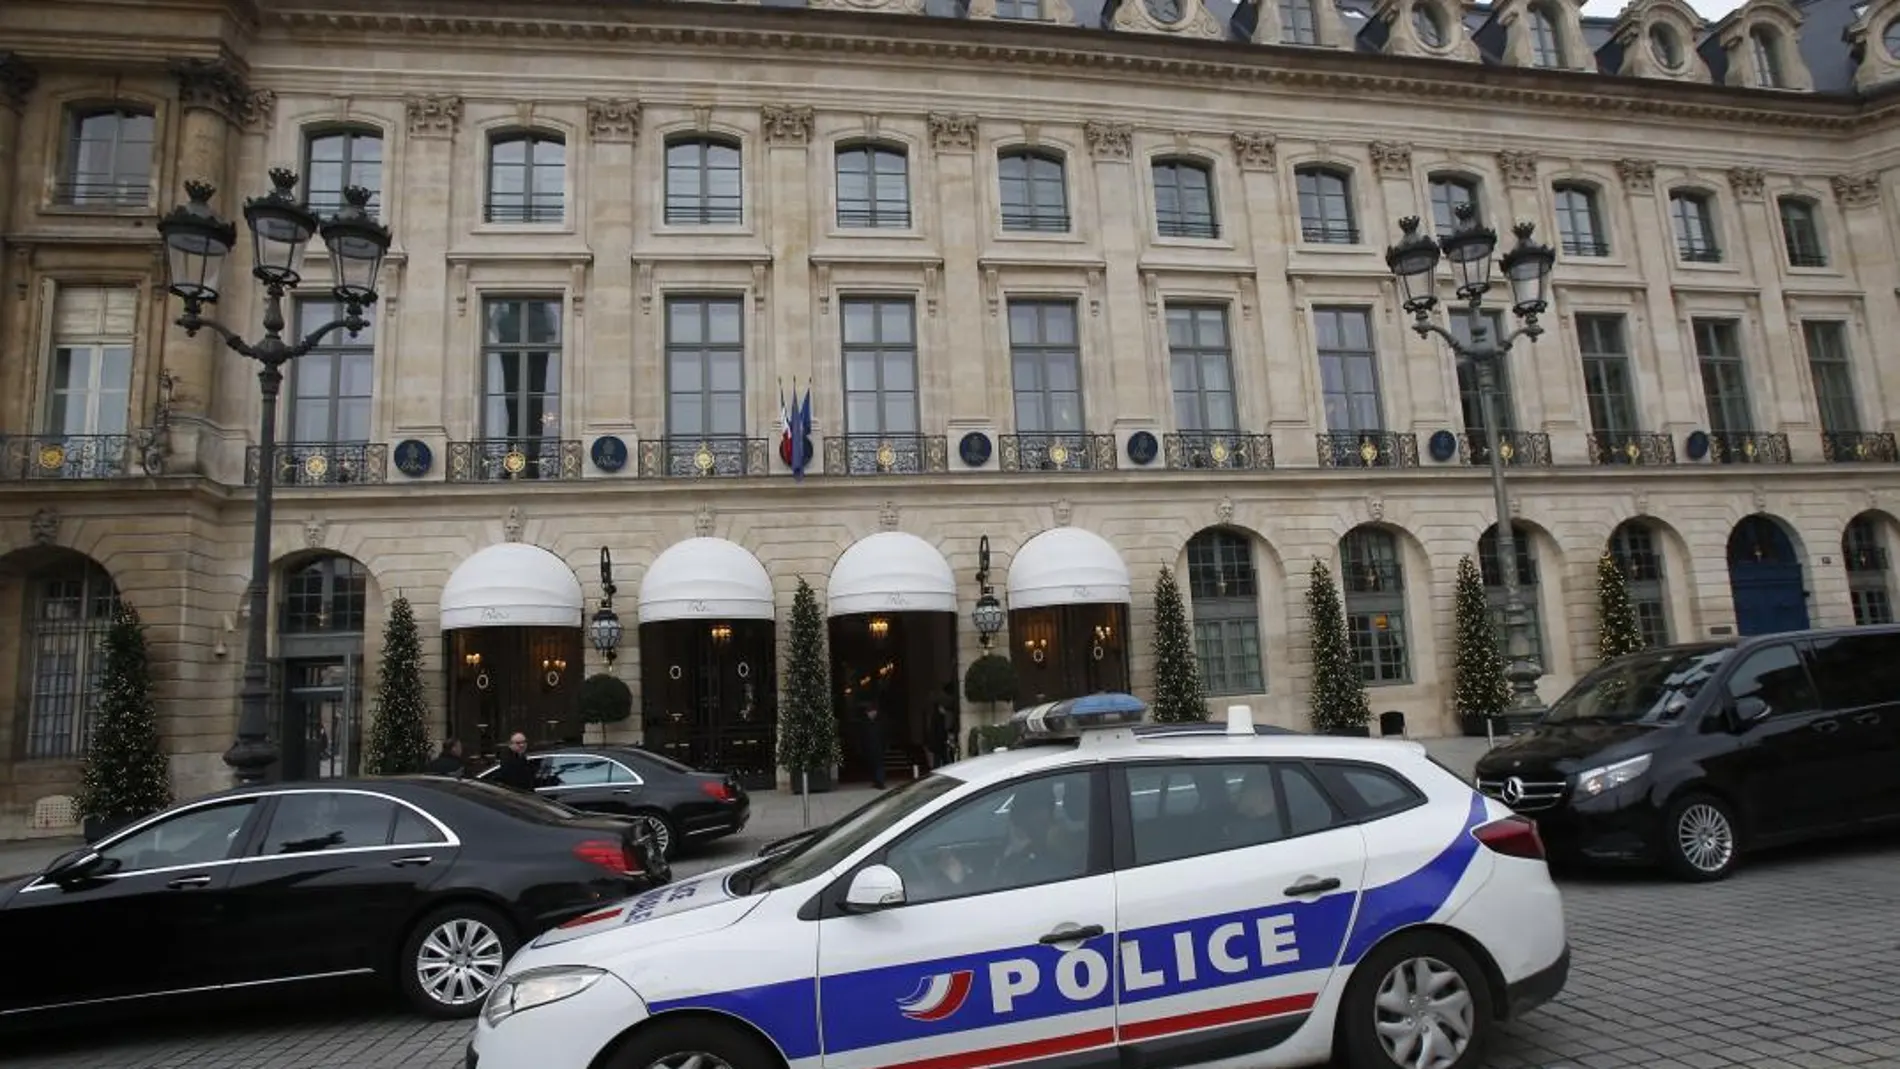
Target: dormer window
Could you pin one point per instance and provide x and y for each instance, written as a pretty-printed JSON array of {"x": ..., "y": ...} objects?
[
  {"x": 1429, "y": 23},
  {"x": 1768, "y": 73},
  {"x": 1545, "y": 50},
  {"x": 1299, "y": 23},
  {"x": 1890, "y": 38},
  {"x": 1665, "y": 46},
  {"x": 1026, "y": 10}
]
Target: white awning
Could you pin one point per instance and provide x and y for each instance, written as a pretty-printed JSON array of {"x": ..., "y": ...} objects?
[
  {"x": 891, "y": 572},
  {"x": 1067, "y": 566},
  {"x": 706, "y": 579},
  {"x": 511, "y": 584}
]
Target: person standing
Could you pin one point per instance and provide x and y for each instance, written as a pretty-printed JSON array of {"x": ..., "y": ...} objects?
[
  {"x": 872, "y": 733},
  {"x": 449, "y": 762},
  {"x": 513, "y": 769}
]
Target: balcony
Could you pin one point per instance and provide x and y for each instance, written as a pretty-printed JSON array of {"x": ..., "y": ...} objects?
[
  {"x": 1040, "y": 222},
  {"x": 1859, "y": 447},
  {"x": 1077, "y": 451},
  {"x": 1586, "y": 247},
  {"x": 1217, "y": 451},
  {"x": 1522, "y": 449},
  {"x": 713, "y": 456},
  {"x": 861, "y": 218},
  {"x": 490, "y": 460},
  {"x": 693, "y": 213},
  {"x": 1866, "y": 559},
  {"x": 1324, "y": 234},
  {"x": 512, "y": 210},
  {"x": 1368, "y": 449},
  {"x": 322, "y": 463},
  {"x": 1641, "y": 448},
  {"x": 1188, "y": 227},
  {"x": 1749, "y": 448},
  {"x": 1695, "y": 252},
  {"x": 65, "y": 456},
  {"x": 886, "y": 454},
  {"x": 103, "y": 191}
]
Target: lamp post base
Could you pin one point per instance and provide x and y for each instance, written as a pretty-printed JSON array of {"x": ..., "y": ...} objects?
[{"x": 250, "y": 759}]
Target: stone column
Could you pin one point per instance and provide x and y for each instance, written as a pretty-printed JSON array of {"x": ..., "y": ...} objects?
[
  {"x": 1871, "y": 244},
  {"x": 1668, "y": 392},
  {"x": 427, "y": 388},
  {"x": 962, "y": 209},
  {"x": 1278, "y": 400},
  {"x": 613, "y": 129},
  {"x": 788, "y": 329},
  {"x": 17, "y": 81},
  {"x": 1118, "y": 386}
]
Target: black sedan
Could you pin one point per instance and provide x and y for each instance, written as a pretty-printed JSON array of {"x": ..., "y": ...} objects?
[
  {"x": 675, "y": 804},
  {"x": 430, "y": 883}
]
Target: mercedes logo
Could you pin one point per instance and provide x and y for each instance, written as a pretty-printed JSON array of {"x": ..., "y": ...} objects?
[{"x": 1513, "y": 790}]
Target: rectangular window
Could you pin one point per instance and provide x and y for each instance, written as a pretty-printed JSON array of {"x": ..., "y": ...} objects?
[
  {"x": 1019, "y": 9},
  {"x": 1801, "y": 232},
  {"x": 338, "y": 159},
  {"x": 1695, "y": 228},
  {"x": 1718, "y": 350},
  {"x": 705, "y": 367},
  {"x": 1606, "y": 374},
  {"x": 1447, "y": 195},
  {"x": 1034, "y": 191},
  {"x": 108, "y": 159},
  {"x": 1045, "y": 367},
  {"x": 89, "y": 379},
  {"x": 873, "y": 187},
  {"x": 521, "y": 381},
  {"x": 331, "y": 386},
  {"x": 1225, "y": 593},
  {"x": 1579, "y": 224},
  {"x": 1201, "y": 369},
  {"x": 71, "y": 613},
  {"x": 1833, "y": 377},
  {"x": 1326, "y": 215},
  {"x": 1297, "y": 24},
  {"x": 1470, "y": 397},
  {"x": 1373, "y": 585},
  {"x": 704, "y": 183},
  {"x": 1348, "y": 369},
  {"x": 880, "y": 366},
  {"x": 1184, "y": 200}
]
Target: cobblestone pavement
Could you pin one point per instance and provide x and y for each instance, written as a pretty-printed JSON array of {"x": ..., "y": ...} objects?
[{"x": 1791, "y": 963}]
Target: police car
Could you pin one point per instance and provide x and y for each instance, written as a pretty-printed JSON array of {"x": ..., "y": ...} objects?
[{"x": 1107, "y": 893}]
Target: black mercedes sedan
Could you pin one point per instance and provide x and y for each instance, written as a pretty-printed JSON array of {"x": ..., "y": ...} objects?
[
  {"x": 675, "y": 804},
  {"x": 426, "y": 882}
]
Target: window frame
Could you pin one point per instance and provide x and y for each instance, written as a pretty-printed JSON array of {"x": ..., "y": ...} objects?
[
  {"x": 533, "y": 206},
  {"x": 338, "y": 577},
  {"x": 1724, "y": 374},
  {"x": 1043, "y": 352},
  {"x": 1611, "y": 413},
  {"x": 350, "y": 133},
  {"x": 879, "y": 349},
  {"x": 703, "y": 208},
  {"x": 68, "y": 194},
  {"x": 1693, "y": 224},
  {"x": 874, "y": 216},
  {"x": 1529, "y": 585},
  {"x": 556, "y": 350},
  {"x": 1592, "y": 242},
  {"x": 1176, "y": 219},
  {"x": 1445, "y": 191},
  {"x": 1299, "y": 23},
  {"x": 340, "y": 348},
  {"x": 1196, "y": 354},
  {"x": 1342, "y": 355},
  {"x": 704, "y": 349},
  {"x": 1801, "y": 251},
  {"x": 1546, "y": 48},
  {"x": 1334, "y": 219},
  {"x": 1366, "y": 545},
  {"x": 1470, "y": 393},
  {"x": 1636, "y": 546},
  {"x": 1837, "y": 403},
  {"x": 1868, "y": 589},
  {"x": 1220, "y": 616},
  {"x": 55, "y": 695},
  {"x": 1031, "y": 216}
]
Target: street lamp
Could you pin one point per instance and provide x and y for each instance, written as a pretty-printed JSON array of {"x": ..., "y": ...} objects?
[
  {"x": 988, "y": 614},
  {"x": 605, "y": 628},
  {"x": 1414, "y": 260},
  {"x": 196, "y": 245}
]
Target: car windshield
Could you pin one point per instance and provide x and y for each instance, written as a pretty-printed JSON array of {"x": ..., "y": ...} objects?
[
  {"x": 821, "y": 853},
  {"x": 1654, "y": 687}
]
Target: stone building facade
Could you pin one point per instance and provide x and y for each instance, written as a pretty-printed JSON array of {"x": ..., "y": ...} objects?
[{"x": 1099, "y": 289}]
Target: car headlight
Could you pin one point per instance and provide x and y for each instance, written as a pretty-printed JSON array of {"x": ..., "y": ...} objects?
[
  {"x": 537, "y": 987},
  {"x": 1595, "y": 781}
]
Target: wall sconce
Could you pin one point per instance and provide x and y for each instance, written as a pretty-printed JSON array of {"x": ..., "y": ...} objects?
[
  {"x": 1103, "y": 633},
  {"x": 473, "y": 660},
  {"x": 553, "y": 667},
  {"x": 880, "y": 627},
  {"x": 1037, "y": 648},
  {"x": 721, "y": 633},
  {"x": 474, "y": 663}
]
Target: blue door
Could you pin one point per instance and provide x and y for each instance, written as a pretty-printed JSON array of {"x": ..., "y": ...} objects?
[{"x": 1764, "y": 577}]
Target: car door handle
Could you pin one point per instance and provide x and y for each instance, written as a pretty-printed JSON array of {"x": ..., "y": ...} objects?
[
  {"x": 406, "y": 862},
  {"x": 1069, "y": 933},
  {"x": 186, "y": 882},
  {"x": 1869, "y": 719},
  {"x": 623, "y": 790},
  {"x": 1312, "y": 885},
  {"x": 1827, "y": 727}
]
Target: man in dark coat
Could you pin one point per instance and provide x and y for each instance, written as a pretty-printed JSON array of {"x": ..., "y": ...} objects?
[
  {"x": 513, "y": 769},
  {"x": 873, "y": 742},
  {"x": 449, "y": 762}
]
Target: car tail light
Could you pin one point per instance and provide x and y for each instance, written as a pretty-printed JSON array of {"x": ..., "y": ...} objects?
[
  {"x": 717, "y": 790},
  {"x": 586, "y": 919},
  {"x": 615, "y": 857},
  {"x": 1513, "y": 837}
]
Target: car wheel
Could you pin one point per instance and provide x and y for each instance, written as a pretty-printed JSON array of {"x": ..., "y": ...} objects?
[
  {"x": 694, "y": 1044},
  {"x": 1419, "y": 1001},
  {"x": 1699, "y": 838},
  {"x": 659, "y": 829},
  {"x": 453, "y": 958}
]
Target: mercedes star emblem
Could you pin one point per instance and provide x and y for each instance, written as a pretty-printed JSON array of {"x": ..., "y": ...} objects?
[{"x": 1513, "y": 790}]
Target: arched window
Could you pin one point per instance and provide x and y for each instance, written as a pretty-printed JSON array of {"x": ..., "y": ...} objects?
[
  {"x": 1865, "y": 554},
  {"x": 1184, "y": 199},
  {"x": 108, "y": 160},
  {"x": 1448, "y": 192},
  {"x": 1374, "y": 589},
  {"x": 1299, "y": 23},
  {"x": 69, "y": 611},
  {"x": 1545, "y": 50},
  {"x": 1326, "y": 215},
  {"x": 326, "y": 595},
  {"x": 1761, "y": 44},
  {"x": 1801, "y": 232},
  {"x": 1226, "y": 596},
  {"x": 1034, "y": 190},
  {"x": 527, "y": 178},
  {"x": 1580, "y": 220},
  {"x": 704, "y": 183},
  {"x": 1694, "y": 217},
  {"x": 1429, "y": 23},
  {"x": 873, "y": 187},
  {"x": 337, "y": 158},
  {"x": 1634, "y": 545},
  {"x": 1526, "y": 584}
]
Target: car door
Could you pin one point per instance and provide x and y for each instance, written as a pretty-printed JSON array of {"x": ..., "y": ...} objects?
[
  {"x": 149, "y": 921},
  {"x": 588, "y": 781},
  {"x": 1858, "y": 674},
  {"x": 331, "y": 882},
  {"x": 1235, "y": 885},
  {"x": 1792, "y": 753},
  {"x": 1003, "y": 949}
]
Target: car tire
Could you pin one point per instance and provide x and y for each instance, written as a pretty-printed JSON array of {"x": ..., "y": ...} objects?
[
  {"x": 676, "y": 1044},
  {"x": 1700, "y": 842},
  {"x": 1383, "y": 1020},
  {"x": 453, "y": 958},
  {"x": 662, "y": 828}
]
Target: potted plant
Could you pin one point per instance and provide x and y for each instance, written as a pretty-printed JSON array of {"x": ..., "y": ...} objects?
[
  {"x": 1337, "y": 702},
  {"x": 126, "y": 776},
  {"x": 1179, "y": 695},
  {"x": 398, "y": 730},
  {"x": 808, "y": 745},
  {"x": 1479, "y": 690}
]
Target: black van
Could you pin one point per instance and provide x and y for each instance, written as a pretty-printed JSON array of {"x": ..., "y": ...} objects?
[{"x": 1687, "y": 755}]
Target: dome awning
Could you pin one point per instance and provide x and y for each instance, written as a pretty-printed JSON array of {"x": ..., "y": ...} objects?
[
  {"x": 511, "y": 584},
  {"x": 1067, "y": 566},
  {"x": 706, "y": 579},
  {"x": 891, "y": 572}
]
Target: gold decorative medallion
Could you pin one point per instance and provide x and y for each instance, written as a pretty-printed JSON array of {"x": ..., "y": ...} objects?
[
  {"x": 315, "y": 466},
  {"x": 52, "y": 456},
  {"x": 1219, "y": 452},
  {"x": 515, "y": 462},
  {"x": 704, "y": 460},
  {"x": 1507, "y": 450},
  {"x": 886, "y": 456},
  {"x": 1059, "y": 454},
  {"x": 1368, "y": 451}
]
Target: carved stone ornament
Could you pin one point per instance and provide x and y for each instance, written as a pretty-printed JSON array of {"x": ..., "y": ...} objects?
[
  {"x": 613, "y": 120},
  {"x": 1183, "y": 18},
  {"x": 786, "y": 124},
  {"x": 703, "y": 521},
  {"x": 1519, "y": 168},
  {"x": 902, "y": 7},
  {"x": 214, "y": 85},
  {"x": 1224, "y": 511},
  {"x": 1761, "y": 499},
  {"x": 313, "y": 531},
  {"x": 1638, "y": 176},
  {"x": 1255, "y": 150},
  {"x": 1109, "y": 141},
  {"x": 951, "y": 133},
  {"x": 887, "y": 516},
  {"x": 512, "y": 525},
  {"x": 17, "y": 81},
  {"x": 1856, "y": 190},
  {"x": 1747, "y": 182},
  {"x": 1392, "y": 159},
  {"x": 434, "y": 116},
  {"x": 1063, "y": 511},
  {"x": 1375, "y": 508},
  {"x": 1642, "y": 504},
  {"x": 44, "y": 528}
]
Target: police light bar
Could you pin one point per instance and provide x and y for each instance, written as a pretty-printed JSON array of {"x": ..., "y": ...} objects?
[{"x": 1072, "y": 717}]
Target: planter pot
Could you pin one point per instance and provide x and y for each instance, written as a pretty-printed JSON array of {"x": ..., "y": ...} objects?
[
  {"x": 820, "y": 781},
  {"x": 1350, "y": 731},
  {"x": 97, "y": 828},
  {"x": 1472, "y": 725}
]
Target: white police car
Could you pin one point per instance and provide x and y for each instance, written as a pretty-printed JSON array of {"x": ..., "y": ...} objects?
[{"x": 1180, "y": 893}]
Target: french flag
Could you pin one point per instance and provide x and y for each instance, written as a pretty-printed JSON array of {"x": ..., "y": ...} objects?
[{"x": 800, "y": 430}]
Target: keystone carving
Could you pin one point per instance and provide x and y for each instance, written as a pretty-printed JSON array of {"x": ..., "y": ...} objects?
[
  {"x": 17, "y": 81},
  {"x": 703, "y": 521},
  {"x": 44, "y": 528},
  {"x": 1224, "y": 512},
  {"x": 1747, "y": 182},
  {"x": 1255, "y": 150},
  {"x": 1519, "y": 168},
  {"x": 512, "y": 525},
  {"x": 786, "y": 124},
  {"x": 887, "y": 516},
  {"x": 1063, "y": 512},
  {"x": 1639, "y": 176},
  {"x": 313, "y": 531},
  {"x": 614, "y": 120},
  {"x": 1109, "y": 141},
  {"x": 952, "y": 133},
  {"x": 215, "y": 86},
  {"x": 1392, "y": 159},
  {"x": 1856, "y": 190}
]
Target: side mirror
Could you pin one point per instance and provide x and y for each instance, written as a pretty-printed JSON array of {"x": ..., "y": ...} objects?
[
  {"x": 75, "y": 866},
  {"x": 1750, "y": 709},
  {"x": 873, "y": 888}
]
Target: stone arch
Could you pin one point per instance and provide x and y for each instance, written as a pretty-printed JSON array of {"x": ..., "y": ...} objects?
[
  {"x": 1868, "y": 542},
  {"x": 1218, "y": 587},
  {"x": 1412, "y": 599},
  {"x": 326, "y": 632},
  {"x": 1549, "y": 568},
  {"x": 59, "y": 603},
  {"x": 1767, "y": 575}
]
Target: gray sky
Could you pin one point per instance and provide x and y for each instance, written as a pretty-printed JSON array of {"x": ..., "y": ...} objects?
[{"x": 1710, "y": 9}]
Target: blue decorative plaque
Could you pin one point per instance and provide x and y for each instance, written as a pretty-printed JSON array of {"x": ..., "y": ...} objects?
[
  {"x": 609, "y": 453},
  {"x": 1443, "y": 445},
  {"x": 1696, "y": 445},
  {"x": 1142, "y": 447},
  {"x": 974, "y": 449},
  {"x": 414, "y": 458}
]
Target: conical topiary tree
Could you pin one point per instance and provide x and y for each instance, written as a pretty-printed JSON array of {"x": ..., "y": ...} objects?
[
  {"x": 1617, "y": 632},
  {"x": 807, "y": 728},
  {"x": 398, "y": 733},
  {"x": 1479, "y": 688},
  {"x": 1179, "y": 695},
  {"x": 126, "y": 775},
  {"x": 1337, "y": 701}
]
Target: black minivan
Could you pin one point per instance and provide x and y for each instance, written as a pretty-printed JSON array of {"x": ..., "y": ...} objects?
[{"x": 1688, "y": 755}]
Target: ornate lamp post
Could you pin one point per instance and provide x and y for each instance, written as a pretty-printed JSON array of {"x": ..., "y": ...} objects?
[
  {"x": 196, "y": 244},
  {"x": 988, "y": 614},
  {"x": 605, "y": 627},
  {"x": 1414, "y": 260}
]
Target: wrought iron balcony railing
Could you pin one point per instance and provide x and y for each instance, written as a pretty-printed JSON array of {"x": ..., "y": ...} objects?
[
  {"x": 1806, "y": 258},
  {"x": 1645, "y": 567},
  {"x": 1866, "y": 559},
  {"x": 1859, "y": 447},
  {"x": 1052, "y": 451},
  {"x": 327, "y": 202},
  {"x": 1522, "y": 449},
  {"x": 1631, "y": 447},
  {"x": 1218, "y": 450},
  {"x": 103, "y": 191},
  {"x": 322, "y": 463},
  {"x": 694, "y": 213},
  {"x": 886, "y": 454},
  {"x": 65, "y": 456},
  {"x": 488, "y": 460},
  {"x": 1368, "y": 449},
  {"x": 712, "y": 456},
  {"x": 1040, "y": 222},
  {"x": 539, "y": 210},
  {"x": 871, "y": 218},
  {"x": 1329, "y": 234},
  {"x": 1586, "y": 247},
  {"x": 1749, "y": 448},
  {"x": 1189, "y": 226},
  {"x": 1698, "y": 253}
]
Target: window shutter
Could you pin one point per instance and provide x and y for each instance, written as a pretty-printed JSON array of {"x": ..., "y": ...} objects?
[{"x": 95, "y": 312}]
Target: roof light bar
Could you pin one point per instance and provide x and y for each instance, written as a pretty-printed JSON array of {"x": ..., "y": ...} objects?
[{"x": 1074, "y": 716}]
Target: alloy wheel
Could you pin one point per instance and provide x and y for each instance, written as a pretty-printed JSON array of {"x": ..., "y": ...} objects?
[
  {"x": 460, "y": 961},
  {"x": 655, "y": 828},
  {"x": 1705, "y": 838},
  {"x": 691, "y": 1060},
  {"x": 1424, "y": 1014}
]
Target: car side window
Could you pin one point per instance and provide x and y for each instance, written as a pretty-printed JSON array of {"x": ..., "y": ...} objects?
[
  {"x": 1366, "y": 792},
  {"x": 1307, "y": 808},
  {"x": 1775, "y": 675},
  {"x": 1196, "y": 808},
  {"x": 412, "y": 830},
  {"x": 197, "y": 837},
  {"x": 1020, "y": 834},
  {"x": 313, "y": 821},
  {"x": 582, "y": 770},
  {"x": 1855, "y": 671}
]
